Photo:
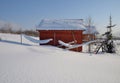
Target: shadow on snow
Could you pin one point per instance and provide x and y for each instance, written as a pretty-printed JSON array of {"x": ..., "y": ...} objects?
[{"x": 14, "y": 42}]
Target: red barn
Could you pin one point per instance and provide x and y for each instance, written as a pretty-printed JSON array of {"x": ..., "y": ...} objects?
[{"x": 66, "y": 30}]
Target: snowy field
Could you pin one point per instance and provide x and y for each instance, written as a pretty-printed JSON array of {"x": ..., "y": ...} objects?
[{"x": 31, "y": 63}]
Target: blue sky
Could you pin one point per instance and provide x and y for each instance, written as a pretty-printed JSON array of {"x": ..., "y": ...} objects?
[{"x": 29, "y": 13}]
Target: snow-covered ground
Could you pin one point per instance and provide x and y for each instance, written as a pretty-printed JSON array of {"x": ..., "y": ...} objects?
[{"x": 31, "y": 63}]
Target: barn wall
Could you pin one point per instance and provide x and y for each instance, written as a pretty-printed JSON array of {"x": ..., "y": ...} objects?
[
  {"x": 64, "y": 35},
  {"x": 46, "y": 35}
]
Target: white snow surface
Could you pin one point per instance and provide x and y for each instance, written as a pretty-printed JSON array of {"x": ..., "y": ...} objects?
[
  {"x": 64, "y": 44},
  {"x": 36, "y": 40},
  {"x": 61, "y": 24},
  {"x": 47, "y": 64},
  {"x": 70, "y": 46}
]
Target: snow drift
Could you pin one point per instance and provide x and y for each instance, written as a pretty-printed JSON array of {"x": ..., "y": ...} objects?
[
  {"x": 48, "y": 64},
  {"x": 37, "y": 41}
]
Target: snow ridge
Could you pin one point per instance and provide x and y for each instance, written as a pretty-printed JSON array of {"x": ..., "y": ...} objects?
[{"x": 37, "y": 41}]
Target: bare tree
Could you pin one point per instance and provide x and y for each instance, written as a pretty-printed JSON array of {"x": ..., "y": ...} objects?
[{"x": 88, "y": 24}]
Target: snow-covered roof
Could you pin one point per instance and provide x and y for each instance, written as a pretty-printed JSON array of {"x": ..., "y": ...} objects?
[
  {"x": 90, "y": 30},
  {"x": 61, "y": 24}
]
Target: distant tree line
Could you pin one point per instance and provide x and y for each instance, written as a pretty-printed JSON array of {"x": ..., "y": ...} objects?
[{"x": 27, "y": 32}]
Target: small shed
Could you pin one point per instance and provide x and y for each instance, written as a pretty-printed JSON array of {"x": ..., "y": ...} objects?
[{"x": 66, "y": 30}]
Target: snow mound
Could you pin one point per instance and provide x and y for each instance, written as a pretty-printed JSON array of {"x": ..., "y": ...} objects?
[
  {"x": 64, "y": 44},
  {"x": 37, "y": 41}
]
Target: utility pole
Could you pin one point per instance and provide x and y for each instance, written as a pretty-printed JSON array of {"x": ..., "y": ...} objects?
[
  {"x": 21, "y": 36},
  {"x": 89, "y": 34}
]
